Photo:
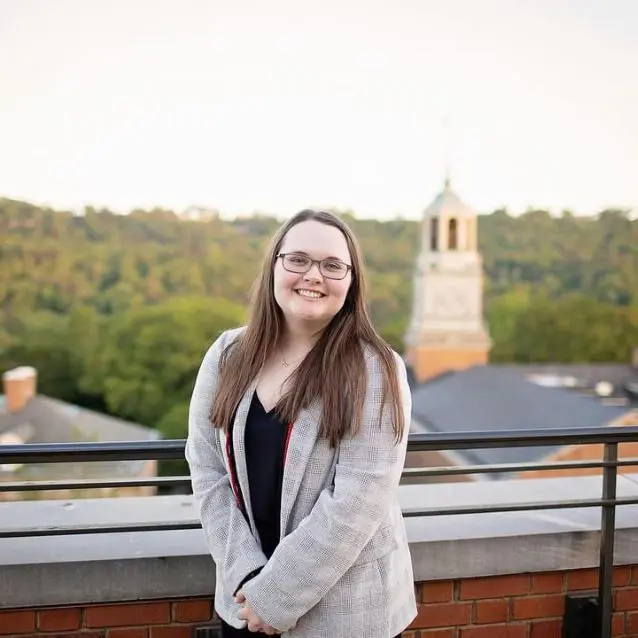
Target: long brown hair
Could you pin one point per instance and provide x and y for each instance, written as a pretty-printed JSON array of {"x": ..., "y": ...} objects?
[{"x": 334, "y": 370}]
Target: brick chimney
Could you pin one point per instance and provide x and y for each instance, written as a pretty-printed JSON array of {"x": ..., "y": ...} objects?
[{"x": 19, "y": 385}]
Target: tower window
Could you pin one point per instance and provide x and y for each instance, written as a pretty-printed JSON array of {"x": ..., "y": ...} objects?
[
  {"x": 434, "y": 234},
  {"x": 453, "y": 238}
]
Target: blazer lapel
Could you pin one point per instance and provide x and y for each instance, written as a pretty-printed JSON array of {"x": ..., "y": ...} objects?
[
  {"x": 239, "y": 429},
  {"x": 302, "y": 441}
]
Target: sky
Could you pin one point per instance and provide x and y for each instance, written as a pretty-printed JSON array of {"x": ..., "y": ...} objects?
[{"x": 246, "y": 105}]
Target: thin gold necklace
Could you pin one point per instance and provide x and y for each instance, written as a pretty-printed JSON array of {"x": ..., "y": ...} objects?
[{"x": 287, "y": 364}]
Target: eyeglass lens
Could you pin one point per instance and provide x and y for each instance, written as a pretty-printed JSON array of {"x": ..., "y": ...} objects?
[{"x": 330, "y": 268}]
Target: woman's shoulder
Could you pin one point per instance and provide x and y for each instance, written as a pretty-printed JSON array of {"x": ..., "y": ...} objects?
[
  {"x": 225, "y": 339},
  {"x": 374, "y": 361},
  {"x": 372, "y": 353},
  {"x": 229, "y": 336}
]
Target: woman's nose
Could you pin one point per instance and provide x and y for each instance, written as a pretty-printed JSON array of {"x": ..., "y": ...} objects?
[{"x": 314, "y": 274}]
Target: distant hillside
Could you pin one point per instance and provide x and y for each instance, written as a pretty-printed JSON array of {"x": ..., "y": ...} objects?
[{"x": 55, "y": 261}]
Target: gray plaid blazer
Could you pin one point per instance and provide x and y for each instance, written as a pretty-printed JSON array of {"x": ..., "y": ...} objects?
[{"x": 342, "y": 568}]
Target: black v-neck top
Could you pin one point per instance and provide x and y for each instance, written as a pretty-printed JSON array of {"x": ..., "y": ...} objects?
[{"x": 265, "y": 443}]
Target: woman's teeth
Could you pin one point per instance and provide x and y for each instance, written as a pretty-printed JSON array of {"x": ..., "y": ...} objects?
[{"x": 309, "y": 293}]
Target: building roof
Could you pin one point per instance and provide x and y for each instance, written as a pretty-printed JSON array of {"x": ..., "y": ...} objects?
[
  {"x": 448, "y": 204},
  {"x": 492, "y": 399},
  {"x": 587, "y": 378},
  {"x": 48, "y": 420}
]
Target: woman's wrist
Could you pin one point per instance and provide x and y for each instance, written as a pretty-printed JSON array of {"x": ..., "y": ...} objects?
[{"x": 250, "y": 576}]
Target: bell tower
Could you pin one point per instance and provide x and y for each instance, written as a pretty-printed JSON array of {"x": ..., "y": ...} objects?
[{"x": 446, "y": 330}]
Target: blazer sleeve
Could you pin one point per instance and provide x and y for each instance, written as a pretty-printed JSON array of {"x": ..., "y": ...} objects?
[
  {"x": 228, "y": 536},
  {"x": 311, "y": 559}
]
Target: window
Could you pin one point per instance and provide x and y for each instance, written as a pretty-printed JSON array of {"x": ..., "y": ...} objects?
[
  {"x": 453, "y": 240},
  {"x": 434, "y": 234}
]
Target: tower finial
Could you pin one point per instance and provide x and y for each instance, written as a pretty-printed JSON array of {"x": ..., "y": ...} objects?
[{"x": 447, "y": 149}]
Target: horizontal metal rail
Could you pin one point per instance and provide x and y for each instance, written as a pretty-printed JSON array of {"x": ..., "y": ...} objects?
[
  {"x": 513, "y": 467},
  {"x": 185, "y": 481},
  {"x": 519, "y": 507},
  {"x": 95, "y": 484},
  {"x": 69, "y": 530},
  {"x": 421, "y": 442},
  {"x": 84, "y": 452}
]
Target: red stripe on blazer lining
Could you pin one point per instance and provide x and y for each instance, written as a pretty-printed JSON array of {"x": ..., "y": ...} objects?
[{"x": 233, "y": 478}]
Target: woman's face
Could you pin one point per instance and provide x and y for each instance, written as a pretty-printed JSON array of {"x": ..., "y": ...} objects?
[{"x": 311, "y": 297}]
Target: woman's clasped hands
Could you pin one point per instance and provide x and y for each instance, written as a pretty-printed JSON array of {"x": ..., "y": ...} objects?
[{"x": 255, "y": 623}]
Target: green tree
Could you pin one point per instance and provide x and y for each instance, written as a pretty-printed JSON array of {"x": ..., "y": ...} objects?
[{"x": 149, "y": 358}]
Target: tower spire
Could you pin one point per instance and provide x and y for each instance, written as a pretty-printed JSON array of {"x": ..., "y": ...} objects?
[{"x": 447, "y": 149}]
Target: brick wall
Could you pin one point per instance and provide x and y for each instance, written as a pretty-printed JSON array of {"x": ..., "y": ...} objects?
[
  {"x": 157, "y": 619},
  {"x": 518, "y": 606}
]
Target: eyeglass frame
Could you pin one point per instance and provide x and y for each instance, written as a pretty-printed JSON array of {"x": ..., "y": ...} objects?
[{"x": 312, "y": 263}]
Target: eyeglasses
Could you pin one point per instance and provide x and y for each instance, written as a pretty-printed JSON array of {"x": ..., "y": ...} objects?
[{"x": 329, "y": 268}]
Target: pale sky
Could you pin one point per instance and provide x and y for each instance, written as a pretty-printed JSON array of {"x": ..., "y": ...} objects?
[{"x": 245, "y": 105}]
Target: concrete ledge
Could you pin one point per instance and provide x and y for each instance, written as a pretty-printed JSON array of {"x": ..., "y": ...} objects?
[
  {"x": 117, "y": 567},
  {"x": 105, "y": 581}
]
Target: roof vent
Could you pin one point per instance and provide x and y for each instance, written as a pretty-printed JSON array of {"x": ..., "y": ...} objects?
[
  {"x": 604, "y": 389},
  {"x": 553, "y": 380}
]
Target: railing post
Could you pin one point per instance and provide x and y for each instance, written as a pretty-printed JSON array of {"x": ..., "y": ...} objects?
[{"x": 607, "y": 533}]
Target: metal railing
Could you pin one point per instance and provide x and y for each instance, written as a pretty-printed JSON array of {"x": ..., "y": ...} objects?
[{"x": 610, "y": 437}]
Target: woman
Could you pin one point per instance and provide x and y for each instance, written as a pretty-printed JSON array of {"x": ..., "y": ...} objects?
[{"x": 297, "y": 438}]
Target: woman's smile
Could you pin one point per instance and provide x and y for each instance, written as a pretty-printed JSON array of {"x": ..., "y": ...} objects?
[{"x": 309, "y": 294}]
